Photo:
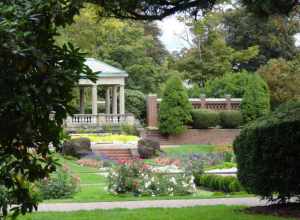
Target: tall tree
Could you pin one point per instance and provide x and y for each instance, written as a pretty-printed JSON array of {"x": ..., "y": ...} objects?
[
  {"x": 283, "y": 79},
  {"x": 210, "y": 56},
  {"x": 131, "y": 45},
  {"x": 274, "y": 35}
]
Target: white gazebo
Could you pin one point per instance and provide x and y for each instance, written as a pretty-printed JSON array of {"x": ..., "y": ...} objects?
[{"x": 113, "y": 80}]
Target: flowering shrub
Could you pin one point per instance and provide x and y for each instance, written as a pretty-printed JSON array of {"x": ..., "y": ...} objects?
[
  {"x": 164, "y": 161},
  {"x": 61, "y": 184},
  {"x": 140, "y": 179},
  {"x": 90, "y": 163}
]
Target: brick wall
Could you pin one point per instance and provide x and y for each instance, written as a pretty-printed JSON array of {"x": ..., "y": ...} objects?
[
  {"x": 196, "y": 136},
  {"x": 215, "y": 104}
]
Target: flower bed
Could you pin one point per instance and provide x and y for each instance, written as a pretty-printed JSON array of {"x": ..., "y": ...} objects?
[{"x": 141, "y": 179}]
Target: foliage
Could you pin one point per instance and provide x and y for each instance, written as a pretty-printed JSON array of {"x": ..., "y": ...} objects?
[
  {"x": 283, "y": 79},
  {"x": 36, "y": 81},
  {"x": 77, "y": 147},
  {"x": 138, "y": 178},
  {"x": 194, "y": 91},
  {"x": 59, "y": 185},
  {"x": 129, "y": 129},
  {"x": 130, "y": 45},
  {"x": 203, "y": 119},
  {"x": 233, "y": 84},
  {"x": 270, "y": 7},
  {"x": 256, "y": 100},
  {"x": 175, "y": 108},
  {"x": 230, "y": 119},
  {"x": 273, "y": 35},
  {"x": 148, "y": 148},
  {"x": 227, "y": 184},
  {"x": 267, "y": 154},
  {"x": 210, "y": 56},
  {"x": 136, "y": 104}
]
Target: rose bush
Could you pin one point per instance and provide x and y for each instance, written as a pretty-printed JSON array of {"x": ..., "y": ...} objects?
[{"x": 141, "y": 179}]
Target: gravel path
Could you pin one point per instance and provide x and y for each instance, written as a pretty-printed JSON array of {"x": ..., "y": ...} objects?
[{"x": 67, "y": 207}]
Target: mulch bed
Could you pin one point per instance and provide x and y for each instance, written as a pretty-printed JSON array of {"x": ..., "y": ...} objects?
[{"x": 283, "y": 210}]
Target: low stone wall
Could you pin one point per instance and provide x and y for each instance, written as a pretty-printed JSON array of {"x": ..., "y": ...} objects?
[{"x": 196, "y": 136}]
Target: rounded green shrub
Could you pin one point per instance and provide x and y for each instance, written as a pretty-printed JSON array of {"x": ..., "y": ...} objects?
[
  {"x": 230, "y": 119},
  {"x": 256, "y": 100},
  {"x": 267, "y": 153},
  {"x": 77, "y": 147},
  {"x": 203, "y": 119},
  {"x": 175, "y": 108},
  {"x": 148, "y": 148}
]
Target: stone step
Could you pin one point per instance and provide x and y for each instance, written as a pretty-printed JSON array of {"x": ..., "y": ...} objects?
[{"x": 115, "y": 154}]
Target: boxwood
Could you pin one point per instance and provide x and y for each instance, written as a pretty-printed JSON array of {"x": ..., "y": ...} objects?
[
  {"x": 203, "y": 119},
  {"x": 230, "y": 119},
  {"x": 267, "y": 153}
]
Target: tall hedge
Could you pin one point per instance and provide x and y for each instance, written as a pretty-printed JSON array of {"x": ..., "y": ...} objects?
[
  {"x": 256, "y": 100},
  {"x": 268, "y": 154},
  {"x": 175, "y": 108}
]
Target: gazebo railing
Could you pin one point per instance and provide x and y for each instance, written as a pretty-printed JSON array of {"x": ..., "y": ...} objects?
[
  {"x": 115, "y": 118},
  {"x": 100, "y": 119},
  {"x": 82, "y": 119}
]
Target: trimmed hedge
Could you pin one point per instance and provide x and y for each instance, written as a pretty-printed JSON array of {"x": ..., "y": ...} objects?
[
  {"x": 268, "y": 151},
  {"x": 203, "y": 119},
  {"x": 227, "y": 184},
  {"x": 230, "y": 119}
]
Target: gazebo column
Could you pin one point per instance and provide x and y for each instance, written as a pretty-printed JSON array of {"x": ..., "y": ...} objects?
[
  {"x": 122, "y": 100},
  {"x": 81, "y": 91},
  {"x": 115, "y": 100},
  {"x": 107, "y": 101},
  {"x": 94, "y": 100}
]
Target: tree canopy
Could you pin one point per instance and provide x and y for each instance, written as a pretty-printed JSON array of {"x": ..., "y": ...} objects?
[
  {"x": 210, "y": 56},
  {"x": 131, "y": 45},
  {"x": 283, "y": 79},
  {"x": 273, "y": 35}
]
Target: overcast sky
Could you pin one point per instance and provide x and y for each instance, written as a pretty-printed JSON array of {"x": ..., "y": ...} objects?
[{"x": 172, "y": 29}]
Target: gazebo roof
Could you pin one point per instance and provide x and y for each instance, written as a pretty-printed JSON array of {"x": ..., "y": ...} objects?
[{"x": 104, "y": 70}]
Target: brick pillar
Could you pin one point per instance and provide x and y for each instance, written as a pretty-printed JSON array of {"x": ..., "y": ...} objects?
[
  {"x": 228, "y": 102},
  {"x": 152, "y": 111},
  {"x": 203, "y": 100}
]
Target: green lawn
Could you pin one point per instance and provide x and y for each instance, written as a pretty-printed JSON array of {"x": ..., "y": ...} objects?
[
  {"x": 203, "y": 213},
  {"x": 189, "y": 149}
]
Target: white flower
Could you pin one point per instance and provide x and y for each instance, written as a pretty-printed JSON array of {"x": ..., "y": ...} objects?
[
  {"x": 147, "y": 184},
  {"x": 173, "y": 180}
]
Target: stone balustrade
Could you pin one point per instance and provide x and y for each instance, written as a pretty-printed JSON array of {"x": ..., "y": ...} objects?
[{"x": 78, "y": 120}]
